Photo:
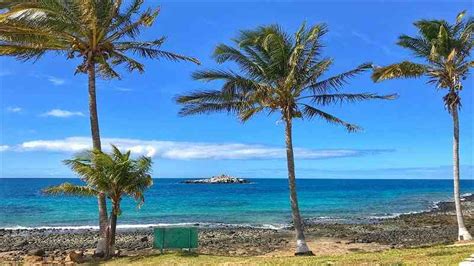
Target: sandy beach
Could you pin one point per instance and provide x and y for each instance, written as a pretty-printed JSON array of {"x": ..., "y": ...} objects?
[{"x": 437, "y": 226}]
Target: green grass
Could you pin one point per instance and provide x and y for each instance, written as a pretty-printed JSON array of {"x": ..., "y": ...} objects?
[{"x": 437, "y": 255}]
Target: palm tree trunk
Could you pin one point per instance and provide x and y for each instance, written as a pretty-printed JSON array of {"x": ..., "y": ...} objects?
[
  {"x": 463, "y": 234},
  {"x": 113, "y": 230},
  {"x": 94, "y": 119},
  {"x": 301, "y": 246}
]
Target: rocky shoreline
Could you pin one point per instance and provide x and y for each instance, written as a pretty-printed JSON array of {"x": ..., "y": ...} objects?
[{"x": 409, "y": 230}]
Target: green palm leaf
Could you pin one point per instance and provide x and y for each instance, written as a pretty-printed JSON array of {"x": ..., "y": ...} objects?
[
  {"x": 312, "y": 112},
  {"x": 102, "y": 32},
  {"x": 402, "y": 70},
  {"x": 71, "y": 190},
  {"x": 339, "y": 81},
  {"x": 326, "y": 99}
]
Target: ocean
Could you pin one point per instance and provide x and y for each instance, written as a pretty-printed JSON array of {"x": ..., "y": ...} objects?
[{"x": 263, "y": 203}]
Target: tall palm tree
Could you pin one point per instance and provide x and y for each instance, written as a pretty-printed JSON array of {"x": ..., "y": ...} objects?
[
  {"x": 102, "y": 34},
  {"x": 444, "y": 52},
  {"x": 116, "y": 175},
  {"x": 278, "y": 73}
]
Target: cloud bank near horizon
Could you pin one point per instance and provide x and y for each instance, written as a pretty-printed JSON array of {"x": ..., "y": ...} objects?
[{"x": 180, "y": 150}]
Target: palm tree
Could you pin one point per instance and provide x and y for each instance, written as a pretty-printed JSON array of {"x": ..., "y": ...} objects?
[
  {"x": 7, "y": 4},
  {"x": 278, "y": 73},
  {"x": 445, "y": 51},
  {"x": 115, "y": 175},
  {"x": 101, "y": 34}
]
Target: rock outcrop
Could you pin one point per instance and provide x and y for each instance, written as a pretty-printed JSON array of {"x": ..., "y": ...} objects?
[{"x": 222, "y": 179}]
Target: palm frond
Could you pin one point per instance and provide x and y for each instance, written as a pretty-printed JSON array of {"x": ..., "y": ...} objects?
[
  {"x": 311, "y": 112},
  {"x": 232, "y": 82},
  {"x": 132, "y": 29},
  {"x": 207, "y": 102},
  {"x": 247, "y": 113},
  {"x": 106, "y": 70},
  {"x": 70, "y": 190},
  {"x": 150, "y": 50},
  {"x": 419, "y": 46},
  {"x": 251, "y": 62},
  {"x": 23, "y": 53},
  {"x": 327, "y": 99},
  {"x": 338, "y": 81},
  {"x": 401, "y": 70},
  {"x": 119, "y": 58}
]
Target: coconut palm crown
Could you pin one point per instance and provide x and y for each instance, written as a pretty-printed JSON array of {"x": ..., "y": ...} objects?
[
  {"x": 115, "y": 174},
  {"x": 277, "y": 73},
  {"x": 101, "y": 32},
  {"x": 444, "y": 53},
  {"x": 445, "y": 49}
]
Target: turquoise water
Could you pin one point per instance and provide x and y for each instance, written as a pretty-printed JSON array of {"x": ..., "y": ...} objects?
[{"x": 264, "y": 202}]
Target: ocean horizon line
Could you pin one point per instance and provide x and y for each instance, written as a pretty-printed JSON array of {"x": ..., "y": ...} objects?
[{"x": 259, "y": 178}]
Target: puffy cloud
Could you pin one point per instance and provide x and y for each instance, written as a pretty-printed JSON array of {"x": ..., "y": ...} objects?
[
  {"x": 62, "y": 113},
  {"x": 189, "y": 150},
  {"x": 14, "y": 109},
  {"x": 4, "y": 148}
]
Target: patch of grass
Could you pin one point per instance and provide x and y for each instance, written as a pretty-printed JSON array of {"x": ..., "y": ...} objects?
[
  {"x": 437, "y": 255},
  {"x": 441, "y": 253}
]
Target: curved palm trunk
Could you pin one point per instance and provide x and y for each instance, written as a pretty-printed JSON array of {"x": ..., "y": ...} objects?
[
  {"x": 113, "y": 230},
  {"x": 301, "y": 246},
  {"x": 94, "y": 119},
  {"x": 463, "y": 234}
]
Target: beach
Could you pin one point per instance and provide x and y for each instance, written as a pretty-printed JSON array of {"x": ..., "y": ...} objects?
[{"x": 436, "y": 226}]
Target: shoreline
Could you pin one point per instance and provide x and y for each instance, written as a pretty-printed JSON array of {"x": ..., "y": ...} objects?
[
  {"x": 436, "y": 226},
  {"x": 438, "y": 206}
]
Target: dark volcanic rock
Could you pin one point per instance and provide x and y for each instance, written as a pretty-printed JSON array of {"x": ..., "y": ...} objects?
[
  {"x": 448, "y": 206},
  {"x": 20, "y": 243},
  {"x": 36, "y": 252}
]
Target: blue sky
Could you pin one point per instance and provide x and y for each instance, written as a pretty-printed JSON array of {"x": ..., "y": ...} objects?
[{"x": 44, "y": 115}]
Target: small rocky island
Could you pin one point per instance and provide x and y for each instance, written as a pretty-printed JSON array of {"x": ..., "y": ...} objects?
[{"x": 222, "y": 179}]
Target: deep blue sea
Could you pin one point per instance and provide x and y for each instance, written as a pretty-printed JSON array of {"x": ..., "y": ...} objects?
[{"x": 264, "y": 202}]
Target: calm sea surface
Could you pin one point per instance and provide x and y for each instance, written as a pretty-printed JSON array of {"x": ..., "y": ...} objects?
[{"x": 264, "y": 202}]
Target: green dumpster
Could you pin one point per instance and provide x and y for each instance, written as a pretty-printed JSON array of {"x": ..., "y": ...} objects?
[{"x": 175, "y": 238}]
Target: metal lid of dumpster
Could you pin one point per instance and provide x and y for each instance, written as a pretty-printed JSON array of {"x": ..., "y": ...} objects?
[{"x": 174, "y": 237}]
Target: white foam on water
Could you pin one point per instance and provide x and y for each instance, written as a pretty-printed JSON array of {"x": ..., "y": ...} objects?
[{"x": 141, "y": 226}]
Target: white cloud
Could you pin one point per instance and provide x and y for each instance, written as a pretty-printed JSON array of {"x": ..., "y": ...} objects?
[
  {"x": 14, "y": 109},
  {"x": 188, "y": 150},
  {"x": 4, "y": 148},
  {"x": 62, "y": 113},
  {"x": 56, "y": 81}
]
